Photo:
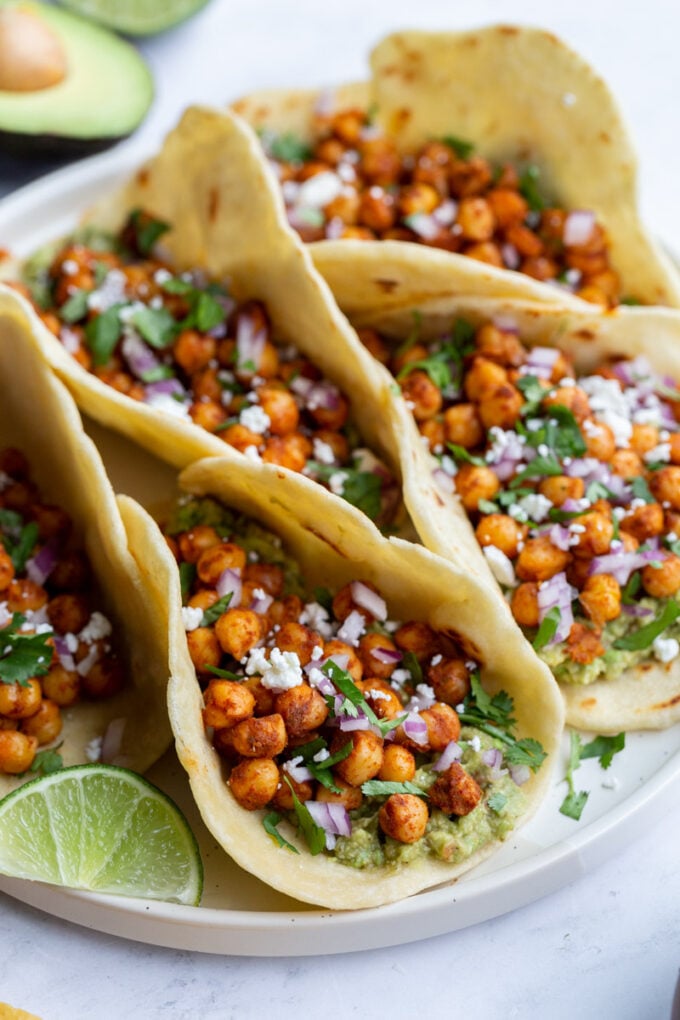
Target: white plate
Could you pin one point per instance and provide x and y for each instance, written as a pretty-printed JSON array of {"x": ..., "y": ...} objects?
[{"x": 240, "y": 915}]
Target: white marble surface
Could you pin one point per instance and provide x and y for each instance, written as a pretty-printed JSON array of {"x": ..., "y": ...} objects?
[{"x": 609, "y": 944}]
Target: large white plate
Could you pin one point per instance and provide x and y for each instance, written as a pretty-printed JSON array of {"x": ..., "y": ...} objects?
[{"x": 240, "y": 915}]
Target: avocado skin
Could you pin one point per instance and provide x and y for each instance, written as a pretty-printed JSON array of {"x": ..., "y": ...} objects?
[{"x": 40, "y": 146}]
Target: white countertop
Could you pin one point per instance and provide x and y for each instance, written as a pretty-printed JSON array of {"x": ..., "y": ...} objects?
[{"x": 608, "y": 945}]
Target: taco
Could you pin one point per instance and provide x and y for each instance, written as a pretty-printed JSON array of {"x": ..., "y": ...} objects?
[
  {"x": 527, "y": 170},
  {"x": 84, "y": 665},
  {"x": 320, "y": 677},
  {"x": 559, "y": 433},
  {"x": 238, "y": 342}
]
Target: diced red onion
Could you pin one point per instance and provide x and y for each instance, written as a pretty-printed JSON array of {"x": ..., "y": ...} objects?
[
  {"x": 520, "y": 774},
  {"x": 506, "y": 323},
  {"x": 415, "y": 728},
  {"x": 65, "y": 657},
  {"x": 369, "y": 600},
  {"x": 560, "y": 537},
  {"x": 164, "y": 388},
  {"x": 228, "y": 582},
  {"x": 69, "y": 339},
  {"x": 636, "y": 610},
  {"x": 443, "y": 481},
  {"x": 319, "y": 680},
  {"x": 388, "y": 656},
  {"x": 587, "y": 468},
  {"x": 333, "y": 818},
  {"x": 261, "y": 604},
  {"x": 112, "y": 739},
  {"x": 86, "y": 664},
  {"x": 543, "y": 358},
  {"x": 139, "y": 356},
  {"x": 452, "y": 752},
  {"x": 423, "y": 698},
  {"x": 40, "y": 566},
  {"x": 299, "y": 773},
  {"x": 557, "y": 593},
  {"x": 621, "y": 565},
  {"x": 445, "y": 214},
  {"x": 424, "y": 225},
  {"x": 334, "y": 228},
  {"x": 348, "y": 724},
  {"x": 578, "y": 227},
  {"x": 249, "y": 341},
  {"x": 511, "y": 257},
  {"x": 340, "y": 659},
  {"x": 492, "y": 757}
]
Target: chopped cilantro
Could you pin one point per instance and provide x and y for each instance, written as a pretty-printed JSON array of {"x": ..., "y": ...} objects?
[
  {"x": 461, "y": 148},
  {"x": 145, "y": 230},
  {"x": 19, "y": 541},
  {"x": 270, "y": 823},
  {"x": 224, "y": 674},
  {"x": 103, "y": 333},
  {"x": 324, "y": 597},
  {"x": 644, "y": 636},
  {"x": 213, "y": 613},
  {"x": 628, "y": 300},
  {"x": 47, "y": 762},
  {"x": 533, "y": 391},
  {"x": 529, "y": 188},
  {"x": 75, "y": 307},
  {"x": 315, "y": 836},
  {"x": 354, "y": 699},
  {"x": 603, "y": 748},
  {"x": 156, "y": 325},
  {"x": 360, "y": 488},
  {"x": 289, "y": 148},
  {"x": 460, "y": 453},
  {"x": 548, "y": 628},
  {"x": 410, "y": 662},
  {"x": 497, "y": 802},
  {"x": 208, "y": 311},
  {"x": 573, "y": 804},
  {"x": 641, "y": 489},
  {"x": 596, "y": 490},
  {"x": 493, "y": 716},
  {"x": 380, "y": 788},
  {"x": 631, "y": 589},
  {"x": 487, "y": 507},
  {"x": 23, "y": 656},
  {"x": 540, "y": 466}
]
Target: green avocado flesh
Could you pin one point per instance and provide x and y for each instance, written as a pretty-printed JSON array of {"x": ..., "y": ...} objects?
[
  {"x": 104, "y": 96},
  {"x": 136, "y": 17}
]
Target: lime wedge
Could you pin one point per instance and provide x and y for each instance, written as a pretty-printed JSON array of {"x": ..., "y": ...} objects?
[
  {"x": 100, "y": 828},
  {"x": 136, "y": 17}
]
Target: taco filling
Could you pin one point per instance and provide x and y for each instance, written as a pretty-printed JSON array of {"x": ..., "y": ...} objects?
[
  {"x": 55, "y": 644},
  {"x": 351, "y": 181},
  {"x": 372, "y": 737},
  {"x": 181, "y": 345},
  {"x": 572, "y": 484}
]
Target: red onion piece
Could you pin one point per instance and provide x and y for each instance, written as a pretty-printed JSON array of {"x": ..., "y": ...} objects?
[
  {"x": 543, "y": 358},
  {"x": 511, "y": 257},
  {"x": 621, "y": 565},
  {"x": 506, "y": 323},
  {"x": 578, "y": 227},
  {"x": 112, "y": 739},
  {"x": 560, "y": 537},
  {"x": 557, "y": 593},
  {"x": 163, "y": 388},
  {"x": 333, "y": 818},
  {"x": 298, "y": 773},
  {"x": 424, "y": 225},
  {"x": 348, "y": 725},
  {"x": 261, "y": 604},
  {"x": 415, "y": 728},
  {"x": 40, "y": 566},
  {"x": 334, "y": 228},
  {"x": 230, "y": 581},
  {"x": 443, "y": 481},
  {"x": 386, "y": 655},
  {"x": 249, "y": 341},
  {"x": 319, "y": 680},
  {"x": 492, "y": 757},
  {"x": 369, "y": 600},
  {"x": 452, "y": 752},
  {"x": 520, "y": 774},
  {"x": 341, "y": 660},
  {"x": 352, "y": 628},
  {"x": 636, "y": 610},
  {"x": 65, "y": 657},
  {"x": 445, "y": 214},
  {"x": 139, "y": 356}
]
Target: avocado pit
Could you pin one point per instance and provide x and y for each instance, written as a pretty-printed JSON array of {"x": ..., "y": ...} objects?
[{"x": 31, "y": 56}]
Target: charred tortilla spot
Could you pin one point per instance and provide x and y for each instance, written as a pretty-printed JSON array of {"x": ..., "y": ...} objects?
[
  {"x": 326, "y": 541},
  {"x": 675, "y": 700},
  {"x": 213, "y": 204},
  {"x": 588, "y": 703},
  {"x": 386, "y": 286},
  {"x": 585, "y": 334}
]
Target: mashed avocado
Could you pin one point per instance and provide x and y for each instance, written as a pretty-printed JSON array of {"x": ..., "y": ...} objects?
[
  {"x": 614, "y": 661},
  {"x": 446, "y": 838}
]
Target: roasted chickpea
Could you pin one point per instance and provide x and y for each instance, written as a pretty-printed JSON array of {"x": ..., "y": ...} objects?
[
  {"x": 378, "y": 654},
  {"x": 254, "y": 782},
  {"x": 280, "y": 407},
  {"x": 455, "y": 792},
  {"x": 664, "y": 580},
  {"x": 573, "y": 398},
  {"x": 484, "y": 377},
  {"x": 45, "y": 725},
  {"x": 291, "y": 451},
  {"x": 302, "y": 709},
  {"x": 294, "y": 637},
  {"x": 558, "y": 488},
  {"x": 267, "y": 576},
  {"x": 404, "y": 817},
  {"x": 242, "y": 438},
  {"x": 399, "y": 765},
  {"x": 422, "y": 395},
  {"x": 644, "y": 521},
  {"x": 19, "y": 701},
  {"x": 627, "y": 464},
  {"x": 643, "y": 438},
  {"x": 6, "y": 569},
  {"x": 474, "y": 483},
  {"x": 61, "y": 685},
  {"x": 417, "y": 198},
  {"x": 540, "y": 560},
  {"x": 208, "y": 414},
  {"x": 260, "y": 737},
  {"x": 665, "y": 486},
  {"x": 599, "y": 440},
  {"x": 22, "y": 594},
  {"x": 194, "y": 542},
  {"x": 419, "y": 638},
  {"x": 204, "y": 648},
  {"x": 450, "y": 680},
  {"x": 193, "y": 350},
  {"x": 104, "y": 679},
  {"x": 227, "y": 702},
  {"x": 601, "y": 598},
  {"x": 53, "y": 522},
  {"x": 337, "y": 648},
  {"x": 381, "y": 698},
  {"x": 237, "y": 631},
  {"x": 364, "y": 760},
  {"x": 443, "y": 725},
  {"x": 350, "y": 797},
  {"x": 596, "y": 536},
  {"x": 17, "y": 751},
  {"x": 502, "y": 531},
  {"x": 463, "y": 426},
  {"x": 283, "y": 798},
  {"x": 485, "y": 251},
  {"x": 501, "y": 406},
  {"x": 377, "y": 209},
  {"x": 68, "y": 614},
  {"x": 524, "y": 604},
  {"x": 344, "y": 602},
  {"x": 508, "y": 206},
  {"x": 264, "y": 696},
  {"x": 500, "y": 345}
]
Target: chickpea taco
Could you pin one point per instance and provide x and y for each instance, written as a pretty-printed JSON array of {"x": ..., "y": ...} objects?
[
  {"x": 559, "y": 433},
  {"x": 499, "y": 144},
  {"x": 84, "y": 650},
  {"x": 351, "y": 731}
]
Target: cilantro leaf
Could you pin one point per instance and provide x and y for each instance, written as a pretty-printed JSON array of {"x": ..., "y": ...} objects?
[
  {"x": 213, "y": 613},
  {"x": 75, "y": 307},
  {"x": 103, "y": 333},
  {"x": 548, "y": 628},
  {"x": 533, "y": 392},
  {"x": 539, "y": 467},
  {"x": 47, "y": 762},
  {"x": 23, "y": 656},
  {"x": 360, "y": 488},
  {"x": 208, "y": 311},
  {"x": 410, "y": 662},
  {"x": 526, "y": 752},
  {"x": 20, "y": 541},
  {"x": 633, "y": 586},
  {"x": 493, "y": 716},
  {"x": 461, "y": 148},
  {"x": 289, "y": 148},
  {"x": 156, "y": 325},
  {"x": 381, "y": 788},
  {"x": 573, "y": 804},
  {"x": 270, "y": 823},
  {"x": 641, "y": 490},
  {"x": 497, "y": 802},
  {"x": 224, "y": 674},
  {"x": 644, "y": 637},
  {"x": 187, "y": 575},
  {"x": 604, "y": 748},
  {"x": 315, "y": 836},
  {"x": 529, "y": 188},
  {"x": 145, "y": 230},
  {"x": 460, "y": 453}
]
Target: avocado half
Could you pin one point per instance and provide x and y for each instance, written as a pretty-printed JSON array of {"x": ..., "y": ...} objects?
[
  {"x": 104, "y": 94},
  {"x": 136, "y": 17}
]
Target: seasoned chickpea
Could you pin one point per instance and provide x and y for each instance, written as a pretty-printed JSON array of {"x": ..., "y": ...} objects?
[
  {"x": 422, "y": 395},
  {"x": 596, "y": 537},
  {"x": 644, "y": 521},
  {"x": 524, "y": 604},
  {"x": 264, "y": 696},
  {"x": 227, "y": 702},
  {"x": 61, "y": 685},
  {"x": 601, "y": 598},
  {"x": 6, "y": 569},
  {"x": 22, "y": 594},
  {"x": 203, "y": 599},
  {"x": 470, "y": 176},
  {"x": 455, "y": 792},
  {"x": 302, "y": 709},
  {"x": 71, "y": 572},
  {"x": 364, "y": 760},
  {"x": 237, "y": 631},
  {"x": 254, "y": 782},
  {"x": 208, "y": 414},
  {"x": 344, "y": 604},
  {"x": 193, "y": 350},
  {"x": 218, "y": 558},
  {"x": 443, "y": 725},
  {"x": 500, "y": 345},
  {"x": 350, "y": 797},
  {"x": 664, "y": 580},
  {"x": 419, "y": 638},
  {"x": 476, "y": 219},
  {"x": 104, "y": 679},
  {"x": 627, "y": 464},
  {"x": 267, "y": 576},
  {"x": 280, "y": 407},
  {"x": 294, "y": 637},
  {"x": 377, "y": 209},
  {"x": 502, "y": 531},
  {"x": 291, "y": 451},
  {"x": 17, "y": 751},
  {"x": 540, "y": 560},
  {"x": 381, "y": 664},
  {"x": 558, "y": 488},
  {"x": 337, "y": 648},
  {"x": 644, "y": 438},
  {"x": 204, "y": 648},
  {"x": 399, "y": 765},
  {"x": 450, "y": 680},
  {"x": 380, "y": 161},
  {"x": 573, "y": 398},
  {"x": 381, "y": 698},
  {"x": 599, "y": 440},
  {"x": 194, "y": 542},
  {"x": 287, "y": 608},
  {"x": 474, "y": 483},
  {"x": 283, "y": 798},
  {"x": 501, "y": 406},
  {"x": 332, "y": 414},
  {"x": 53, "y": 522},
  {"x": 463, "y": 426},
  {"x": 260, "y": 737},
  {"x": 241, "y": 438},
  {"x": 45, "y": 725},
  {"x": 404, "y": 817},
  {"x": 417, "y": 198},
  {"x": 68, "y": 613},
  {"x": 19, "y": 701},
  {"x": 665, "y": 486},
  {"x": 484, "y": 377},
  {"x": 508, "y": 206}
]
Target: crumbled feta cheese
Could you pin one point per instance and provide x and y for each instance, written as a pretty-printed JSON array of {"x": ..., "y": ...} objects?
[
  {"x": 353, "y": 626},
  {"x": 475, "y": 743},
  {"x": 336, "y": 482},
  {"x": 610, "y": 783},
  {"x": 449, "y": 465},
  {"x": 517, "y": 513},
  {"x": 577, "y": 529},
  {"x": 283, "y": 671},
  {"x": 315, "y": 616},
  {"x": 252, "y": 453},
  {"x": 93, "y": 750},
  {"x": 436, "y": 659},
  {"x": 97, "y": 627},
  {"x": 378, "y": 695},
  {"x": 501, "y": 566},
  {"x": 110, "y": 292},
  {"x": 400, "y": 676},
  {"x": 537, "y": 507},
  {"x": 662, "y": 452},
  {"x": 167, "y": 403},
  {"x": 568, "y": 381},
  {"x": 191, "y": 617},
  {"x": 665, "y": 649},
  {"x": 317, "y": 191},
  {"x": 323, "y": 452},
  {"x": 255, "y": 418},
  {"x": 609, "y": 403}
]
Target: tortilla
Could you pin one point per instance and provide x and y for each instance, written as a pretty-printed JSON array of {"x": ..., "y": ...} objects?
[
  {"x": 334, "y": 543},
  {"x": 41, "y": 419},
  {"x": 647, "y": 696},
  {"x": 516, "y": 93}
]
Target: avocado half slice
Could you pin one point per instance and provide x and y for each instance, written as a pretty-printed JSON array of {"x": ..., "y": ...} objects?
[
  {"x": 136, "y": 17},
  {"x": 67, "y": 87}
]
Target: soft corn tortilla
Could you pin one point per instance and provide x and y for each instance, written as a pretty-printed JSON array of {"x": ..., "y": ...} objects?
[
  {"x": 517, "y": 94},
  {"x": 646, "y": 697},
  {"x": 334, "y": 545},
  {"x": 211, "y": 183},
  {"x": 40, "y": 418}
]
